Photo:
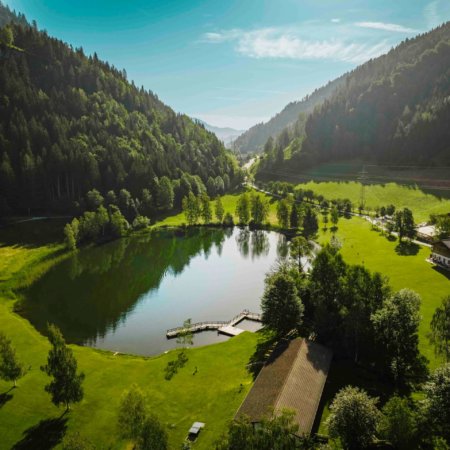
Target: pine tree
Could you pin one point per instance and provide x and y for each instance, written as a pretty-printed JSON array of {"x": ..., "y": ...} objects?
[{"x": 66, "y": 386}]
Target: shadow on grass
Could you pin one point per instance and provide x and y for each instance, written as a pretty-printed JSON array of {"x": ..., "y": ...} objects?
[
  {"x": 5, "y": 397},
  {"x": 33, "y": 233},
  {"x": 442, "y": 271},
  {"x": 347, "y": 373},
  {"x": 44, "y": 436},
  {"x": 264, "y": 348},
  {"x": 407, "y": 249},
  {"x": 391, "y": 238}
]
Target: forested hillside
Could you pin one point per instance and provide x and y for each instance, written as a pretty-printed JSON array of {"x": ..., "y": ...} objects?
[
  {"x": 253, "y": 140},
  {"x": 393, "y": 109},
  {"x": 70, "y": 123}
]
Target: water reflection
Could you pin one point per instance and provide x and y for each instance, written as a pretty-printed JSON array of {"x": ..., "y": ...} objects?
[{"x": 125, "y": 294}]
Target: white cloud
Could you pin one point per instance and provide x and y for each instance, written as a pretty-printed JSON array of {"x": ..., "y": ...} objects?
[
  {"x": 278, "y": 43},
  {"x": 336, "y": 20},
  {"x": 232, "y": 121},
  {"x": 386, "y": 27}
]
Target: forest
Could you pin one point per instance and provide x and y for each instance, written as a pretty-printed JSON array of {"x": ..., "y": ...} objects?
[
  {"x": 70, "y": 123},
  {"x": 392, "y": 109}
]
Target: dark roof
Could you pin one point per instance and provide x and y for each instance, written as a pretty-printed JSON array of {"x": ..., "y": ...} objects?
[
  {"x": 442, "y": 248},
  {"x": 293, "y": 378}
]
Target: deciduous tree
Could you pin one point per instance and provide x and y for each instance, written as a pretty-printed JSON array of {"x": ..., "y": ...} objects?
[
  {"x": 440, "y": 329},
  {"x": 10, "y": 367}
]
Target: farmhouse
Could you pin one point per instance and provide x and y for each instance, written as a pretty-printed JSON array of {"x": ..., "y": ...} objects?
[
  {"x": 293, "y": 378},
  {"x": 440, "y": 253}
]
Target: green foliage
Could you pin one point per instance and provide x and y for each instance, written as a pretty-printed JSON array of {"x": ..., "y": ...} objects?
[
  {"x": 440, "y": 329},
  {"x": 219, "y": 210},
  {"x": 243, "y": 209},
  {"x": 191, "y": 208},
  {"x": 132, "y": 413},
  {"x": 310, "y": 222},
  {"x": 186, "y": 337},
  {"x": 398, "y": 424},
  {"x": 153, "y": 435},
  {"x": 299, "y": 249},
  {"x": 69, "y": 237},
  {"x": 294, "y": 217},
  {"x": 141, "y": 222},
  {"x": 119, "y": 225},
  {"x": 94, "y": 199},
  {"x": 10, "y": 367},
  {"x": 396, "y": 326},
  {"x": 205, "y": 208},
  {"x": 228, "y": 220},
  {"x": 437, "y": 391},
  {"x": 165, "y": 194},
  {"x": 404, "y": 224},
  {"x": 283, "y": 213},
  {"x": 259, "y": 209},
  {"x": 74, "y": 441},
  {"x": 282, "y": 308},
  {"x": 6, "y": 36},
  {"x": 353, "y": 418},
  {"x": 66, "y": 386},
  {"x": 274, "y": 432}
]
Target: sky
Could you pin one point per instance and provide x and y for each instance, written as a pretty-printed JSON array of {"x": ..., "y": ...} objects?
[{"x": 234, "y": 63}]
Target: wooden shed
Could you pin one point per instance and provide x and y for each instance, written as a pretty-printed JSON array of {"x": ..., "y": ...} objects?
[{"x": 293, "y": 378}]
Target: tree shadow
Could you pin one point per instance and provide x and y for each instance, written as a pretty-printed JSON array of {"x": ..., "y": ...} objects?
[
  {"x": 442, "y": 271},
  {"x": 264, "y": 348},
  {"x": 407, "y": 249},
  {"x": 391, "y": 238},
  {"x": 44, "y": 436},
  {"x": 5, "y": 397}
]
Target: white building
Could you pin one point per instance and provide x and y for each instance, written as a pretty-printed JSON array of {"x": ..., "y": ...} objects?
[{"x": 440, "y": 253}]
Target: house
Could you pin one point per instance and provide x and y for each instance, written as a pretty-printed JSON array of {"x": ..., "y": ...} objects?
[
  {"x": 440, "y": 253},
  {"x": 293, "y": 378}
]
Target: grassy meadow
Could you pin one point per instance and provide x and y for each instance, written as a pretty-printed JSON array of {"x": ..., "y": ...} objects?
[{"x": 377, "y": 195}]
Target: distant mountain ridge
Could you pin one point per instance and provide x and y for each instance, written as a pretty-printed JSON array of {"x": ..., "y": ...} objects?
[
  {"x": 254, "y": 138},
  {"x": 225, "y": 134}
]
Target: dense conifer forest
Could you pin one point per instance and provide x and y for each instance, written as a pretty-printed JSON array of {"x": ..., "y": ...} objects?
[
  {"x": 393, "y": 109},
  {"x": 70, "y": 123}
]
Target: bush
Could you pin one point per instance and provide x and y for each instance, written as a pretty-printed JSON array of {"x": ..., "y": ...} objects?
[
  {"x": 141, "y": 222},
  {"x": 228, "y": 220}
]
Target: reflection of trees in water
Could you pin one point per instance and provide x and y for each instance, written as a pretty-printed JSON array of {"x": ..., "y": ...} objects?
[
  {"x": 260, "y": 244},
  {"x": 95, "y": 290},
  {"x": 282, "y": 247},
  {"x": 254, "y": 243},
  {"x": 243, "y": 241}
]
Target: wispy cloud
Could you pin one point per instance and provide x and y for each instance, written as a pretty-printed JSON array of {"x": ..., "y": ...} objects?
[
  {"x": 278, "y": 43},
  {"x": 386, "y": 27},
  {"x": 335, "y": 20},
  {"x": 431, "y": 14}
]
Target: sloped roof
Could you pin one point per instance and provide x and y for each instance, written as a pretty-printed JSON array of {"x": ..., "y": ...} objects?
[
  {"x": 293, "y": 378},
  {"x": 442, "y": 248}
]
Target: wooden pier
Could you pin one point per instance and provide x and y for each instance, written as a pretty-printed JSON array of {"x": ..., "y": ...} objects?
[{"x": 225, "y": 327}]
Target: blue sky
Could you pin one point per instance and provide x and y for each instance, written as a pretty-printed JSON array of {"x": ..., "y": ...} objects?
[{"x": 234, "y": 62}]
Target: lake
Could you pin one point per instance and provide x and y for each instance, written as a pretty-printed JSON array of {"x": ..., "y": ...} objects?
[{"x": 124, "y": 295}]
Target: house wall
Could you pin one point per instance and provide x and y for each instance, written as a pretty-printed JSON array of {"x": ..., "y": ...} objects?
[{"x": 440, "y": 259}]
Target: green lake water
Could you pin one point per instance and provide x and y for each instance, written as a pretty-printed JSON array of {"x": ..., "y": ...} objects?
[{"x": 124, "y": 295}]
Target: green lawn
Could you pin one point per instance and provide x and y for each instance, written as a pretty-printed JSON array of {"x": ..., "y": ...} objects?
[
  {"x": 412, "y": 197},
  {"x": 27, "y": 416}
]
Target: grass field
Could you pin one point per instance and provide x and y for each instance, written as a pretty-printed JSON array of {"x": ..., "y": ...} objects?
[
  {"x": 28, "y": 420},
  {"x": 412, "y": 197}
]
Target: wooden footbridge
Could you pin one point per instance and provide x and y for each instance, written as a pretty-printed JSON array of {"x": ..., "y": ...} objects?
[{"x": 225, "y": 327}]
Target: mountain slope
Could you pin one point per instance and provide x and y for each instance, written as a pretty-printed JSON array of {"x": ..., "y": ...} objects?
[
  {"x": 253, "y": 139},
  {"x": 70, "y": 123},
  {"x": 394, "y": 109}
]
